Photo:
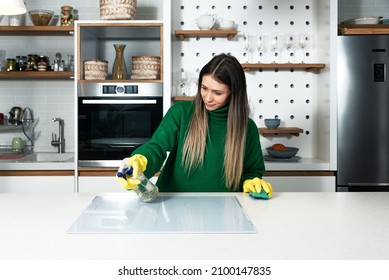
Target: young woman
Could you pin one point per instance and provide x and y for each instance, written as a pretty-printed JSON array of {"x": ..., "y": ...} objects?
[{"x": 213, "y": 145}]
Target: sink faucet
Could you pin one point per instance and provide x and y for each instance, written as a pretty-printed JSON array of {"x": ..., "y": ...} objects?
[{"x": 60, "y": 141}]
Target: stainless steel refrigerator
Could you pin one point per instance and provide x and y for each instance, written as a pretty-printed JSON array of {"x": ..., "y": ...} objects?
[{"x": 363, "y": 113}]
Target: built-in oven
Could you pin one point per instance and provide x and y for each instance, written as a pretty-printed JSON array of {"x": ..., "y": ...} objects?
[{"x": 114, "y": 119}]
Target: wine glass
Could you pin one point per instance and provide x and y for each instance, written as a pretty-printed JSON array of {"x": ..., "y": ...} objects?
[
  {"x": 180, "y": 79},
  {"x": 290, "y": 46},
  {"x": 305, "y": 42},
  {"x": 275, "y": 46},
  {"x": 191, "y": 84},
  {"x": 261, "y": 47},
  {"x": 250, "y": 44}
]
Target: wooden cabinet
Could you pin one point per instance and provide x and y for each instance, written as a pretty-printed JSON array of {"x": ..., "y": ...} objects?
[{"x": 34, "y": 181}]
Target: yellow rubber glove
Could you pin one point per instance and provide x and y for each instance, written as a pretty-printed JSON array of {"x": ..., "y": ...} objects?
[
  {"x": 258, "y": 188},
  {"x": 129, "y": 170}
]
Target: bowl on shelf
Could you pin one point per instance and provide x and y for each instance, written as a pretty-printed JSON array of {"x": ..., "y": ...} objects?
[
  {"x": 384, "y": 21},
  {"x": 288, "y": 152},
  {"x": 41, "y": 17},
  {"x": 272, "y": 123}
]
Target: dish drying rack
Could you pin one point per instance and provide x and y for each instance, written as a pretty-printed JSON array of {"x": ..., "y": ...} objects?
[
  {"x": 27, "y": 125},
  {"x": 8, "y": 150}
]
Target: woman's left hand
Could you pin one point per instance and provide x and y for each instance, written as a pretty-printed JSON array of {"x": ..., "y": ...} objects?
[{"x": 258, "y": 188}]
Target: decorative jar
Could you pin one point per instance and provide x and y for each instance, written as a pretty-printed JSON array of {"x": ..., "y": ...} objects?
[{"x": 119, "y": 70}]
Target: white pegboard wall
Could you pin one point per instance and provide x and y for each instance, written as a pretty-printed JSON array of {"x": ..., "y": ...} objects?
[{"x": 289, "y": 95}]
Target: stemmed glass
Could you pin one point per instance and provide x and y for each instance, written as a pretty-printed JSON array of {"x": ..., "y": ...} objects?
[
  {"x": 261, "y": 47},
  {"x": 305, "y": 41},
  {"x": 191, "y": 83},
  {"x": 250, "y": 44},
  {"x": 180, "y": 81},
  {"x": 290, "y": 45},
  {"x": 275, "y": 46}
]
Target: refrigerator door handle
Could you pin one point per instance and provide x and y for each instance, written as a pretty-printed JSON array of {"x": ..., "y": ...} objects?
[{"x": 369, "y": 184}]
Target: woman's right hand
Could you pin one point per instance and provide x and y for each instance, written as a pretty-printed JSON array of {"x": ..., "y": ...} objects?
[{"x": 129, "y": 170}]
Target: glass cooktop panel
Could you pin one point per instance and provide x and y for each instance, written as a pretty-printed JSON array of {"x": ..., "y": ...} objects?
[{"x": 126, "y": 213}]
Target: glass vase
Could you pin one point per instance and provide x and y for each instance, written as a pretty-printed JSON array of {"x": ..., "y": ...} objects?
[{"x": 119, "y": 70}]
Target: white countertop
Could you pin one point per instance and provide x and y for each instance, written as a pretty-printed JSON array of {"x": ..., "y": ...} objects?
[{"x": 289, "y": 226}]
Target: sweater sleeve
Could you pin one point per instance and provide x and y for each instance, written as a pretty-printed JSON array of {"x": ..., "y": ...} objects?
[
  {"x": 164, "y": 138},
  {"x": 254, "y": 165}
]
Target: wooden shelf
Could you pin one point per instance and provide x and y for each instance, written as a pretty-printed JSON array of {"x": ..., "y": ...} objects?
[
  {"x": 309, "y": 67},
  {"x": 16, "y": 75},
  {"x": 36, "y": 30},
  {"x": 363, "y": 29},
  {"x": 182, "y": 98},
  {"x": 281, "y": 130},
  {"x": 229, "y": 33}
]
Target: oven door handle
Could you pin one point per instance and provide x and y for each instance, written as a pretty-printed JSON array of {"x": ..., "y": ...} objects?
[
  {"x": 122, "y": 146},
  {"x": 120, "y": 101}
]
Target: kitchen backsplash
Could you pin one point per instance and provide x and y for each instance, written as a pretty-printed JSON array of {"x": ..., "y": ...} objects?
[
  {"x": 50, "y": 99},
  {"x": 348, "y": 9}
]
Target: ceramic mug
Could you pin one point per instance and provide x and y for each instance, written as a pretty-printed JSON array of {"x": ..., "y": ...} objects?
[
  {"x": 226, "y": 24},
  {"x": 206, "y": 21},
  {"x": 17, "y": 144}
]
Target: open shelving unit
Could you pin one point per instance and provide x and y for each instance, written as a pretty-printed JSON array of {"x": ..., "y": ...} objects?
[
  {"x": 36, "y": 31},
  {"x": 95, "y": 40}
]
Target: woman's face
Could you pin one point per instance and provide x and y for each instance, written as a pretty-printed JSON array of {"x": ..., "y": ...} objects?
[{"x": 214, "y": 94}]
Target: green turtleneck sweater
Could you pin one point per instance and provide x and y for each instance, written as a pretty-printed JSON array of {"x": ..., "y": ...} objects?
[{"x": 170, "y": 137}]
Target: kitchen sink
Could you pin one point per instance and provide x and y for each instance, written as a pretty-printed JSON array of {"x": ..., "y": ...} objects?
[{"x": 48, "y": 157}]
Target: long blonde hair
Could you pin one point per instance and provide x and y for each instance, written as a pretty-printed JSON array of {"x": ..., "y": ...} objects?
[{"x": 227, "y": 70}]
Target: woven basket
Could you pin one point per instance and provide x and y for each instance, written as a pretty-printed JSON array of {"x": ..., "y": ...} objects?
[
  {"x": 95, "y": 69},
  {"x": 117, "y": 9},
  {"x": 146, "y": 67}
]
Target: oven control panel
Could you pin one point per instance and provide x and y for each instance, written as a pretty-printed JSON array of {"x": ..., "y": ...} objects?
[
  {"x": 121, "y": 89},
  {"x": 112, "y": 89}
]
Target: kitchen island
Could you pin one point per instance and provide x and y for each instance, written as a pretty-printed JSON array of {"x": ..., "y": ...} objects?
[{"x": 289, "y": 226}]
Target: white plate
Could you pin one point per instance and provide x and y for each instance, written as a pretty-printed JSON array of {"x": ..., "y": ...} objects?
[
  {"x": 292, "y": 159},
  {"x": 363, "y": 20}
]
